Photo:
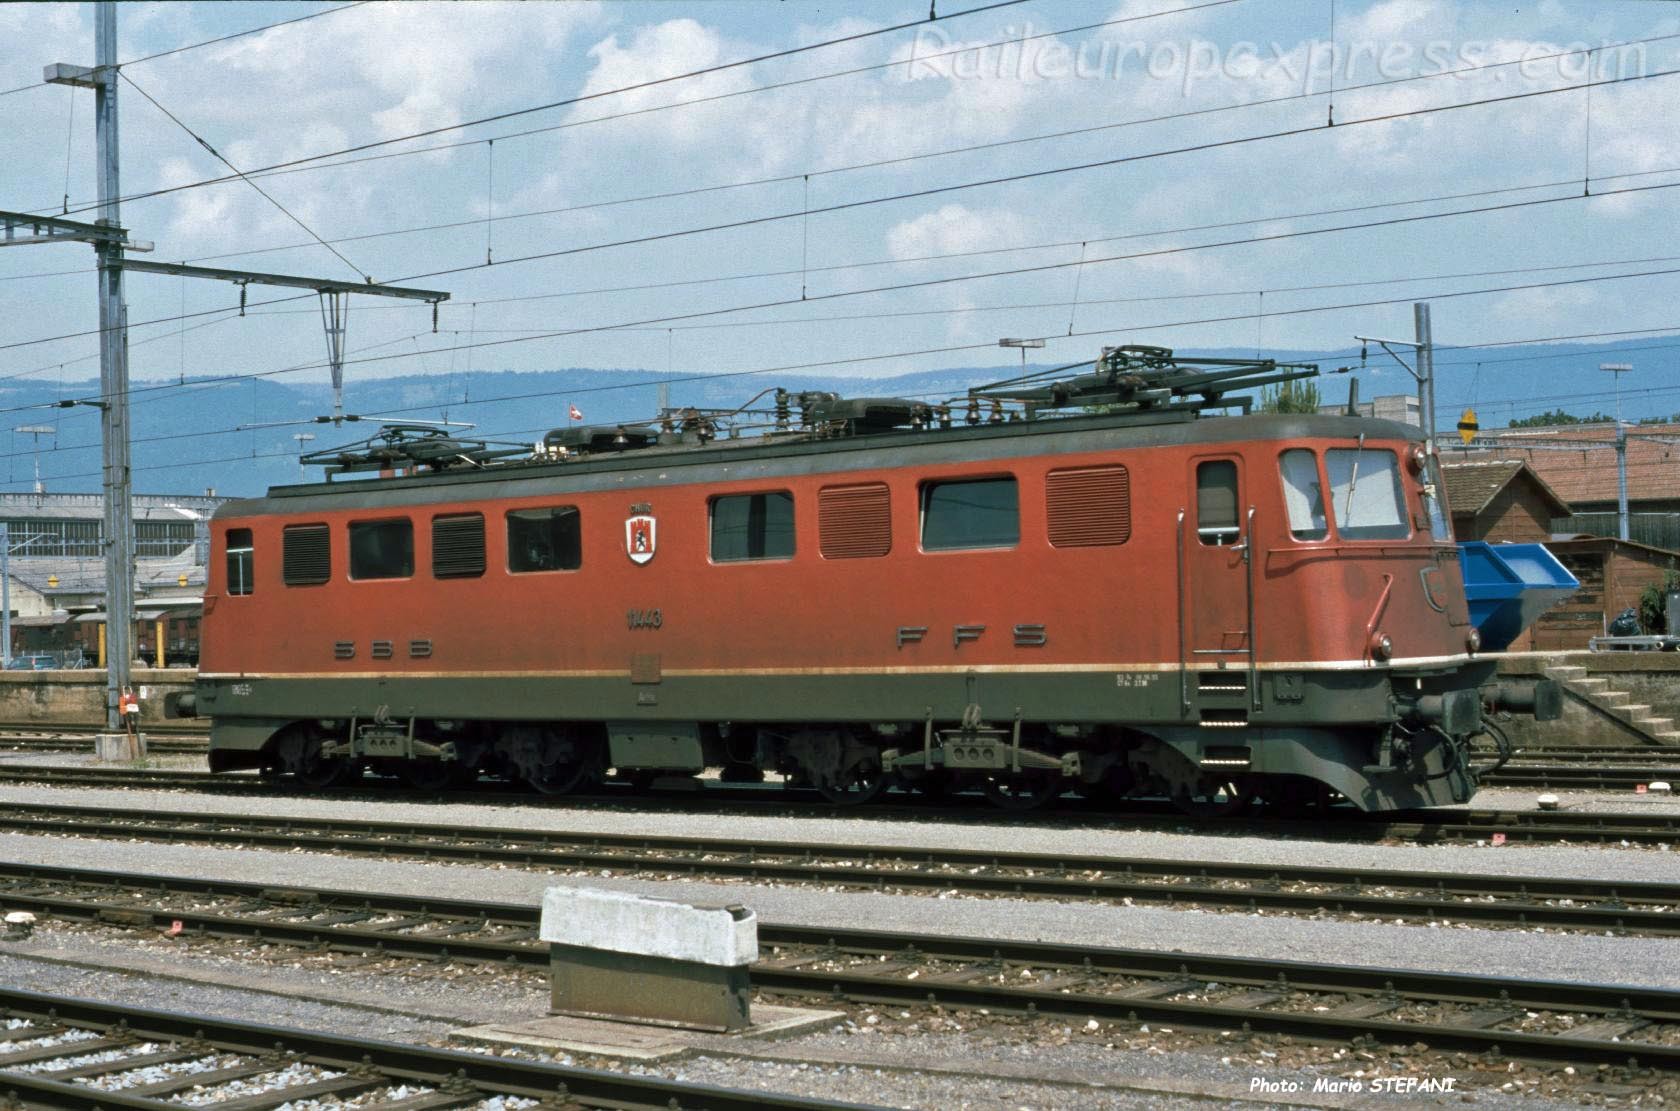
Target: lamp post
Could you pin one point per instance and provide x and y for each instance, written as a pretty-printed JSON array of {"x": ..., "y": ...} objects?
[
  {"x": 6, "y": 588},
  {"x": 302, "y": 438},
  {"x": 37, "y": 431},
  {"x": 1023, "y": 344},
  {"x": 1616, "y": 370}
]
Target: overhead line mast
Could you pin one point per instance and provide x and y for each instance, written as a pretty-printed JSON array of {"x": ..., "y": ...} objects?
[
  {"x": 109, "y": 238},
  {"x": 115, "y": 465}
]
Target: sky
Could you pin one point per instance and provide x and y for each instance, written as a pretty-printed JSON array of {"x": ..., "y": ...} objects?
[{"x": 1140, "y": 171}]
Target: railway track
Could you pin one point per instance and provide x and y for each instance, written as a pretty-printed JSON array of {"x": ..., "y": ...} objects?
[
  {"x": 39, "y": 737},
  {"x": 62, "y": 1052},
  {"x": 1395, "y": 896},
  {"x": 1653, "y": 754},
  {"x": 1344, "y": 823},
  {"x": 1531, "y": 1020},
  {"x": 1587, "y": 767},
  {"x": 1580, "y": 777}
]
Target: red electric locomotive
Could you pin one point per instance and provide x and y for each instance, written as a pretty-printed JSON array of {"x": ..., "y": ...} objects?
[{"x": 1089, "y": 583}]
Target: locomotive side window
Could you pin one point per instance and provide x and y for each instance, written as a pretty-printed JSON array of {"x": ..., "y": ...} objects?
[
  {"x": 240, "y": 553},
  {"x": 752, "y": 526},
  {"x": 982, "y": 513},
  {"x": 547, "y": 539},
  {"x": 1366, "y": 495},
  {"x": 305, "y": 555},
  {"x": 854, "y": 522},
  {"x": 1217, "y": 523},
  {"x": 1303, "y": 495},
  {"x": 458, "y": 546},
  {"x": 1088, "y": 507},
  {"x": 382, "y": 549}
]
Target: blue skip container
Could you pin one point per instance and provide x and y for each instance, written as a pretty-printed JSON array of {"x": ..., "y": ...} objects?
[{"x": 1509, "y": 586}]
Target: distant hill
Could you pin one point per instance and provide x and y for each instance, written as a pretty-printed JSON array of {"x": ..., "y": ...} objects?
[{"x": 181, "y": 444}]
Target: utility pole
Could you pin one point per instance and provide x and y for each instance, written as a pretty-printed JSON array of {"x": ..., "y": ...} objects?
[
  {"x": 6, "y": 591},
  {"x": 109, "y": 241},
  {"x": 1616, "y": 371},
  {"x": 1425, "y": 370}
]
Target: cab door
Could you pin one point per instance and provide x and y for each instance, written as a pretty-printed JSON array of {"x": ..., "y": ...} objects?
[{"x": 1217, "y": 612}]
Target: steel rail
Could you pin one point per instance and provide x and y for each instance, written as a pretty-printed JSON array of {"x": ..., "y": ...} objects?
[
  {"x": 1579, "y": 777},
  {"x": 1597, "y": 754},
  {"x": 9, "y": 729},
  {"x": 1631, "y": 907},
  {"x": 1069, "y": 981},
  {"x": 1343, "y": 824},
  {"x": 460, "y": 1078}
]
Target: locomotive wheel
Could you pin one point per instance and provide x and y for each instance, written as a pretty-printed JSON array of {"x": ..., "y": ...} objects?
[
  {"x": 1021, "y": 792},
  {"x": 843, "y": 770},
  {"x": 1295, "y": 797},
  {"x": 862, "y": 784},
  {"x": 321, "y": 772},
  {"x": 935, "y": 786},
  {"x": 552, "y": 762},
  {"x": 561, "y": 777},
  {"x": 431, "y": 775},
  {"x": 1224, "y": 800}
]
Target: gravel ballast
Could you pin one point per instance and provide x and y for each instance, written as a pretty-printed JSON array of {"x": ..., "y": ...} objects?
[
  {"x": 1016, "y": 833},
  {"x": 1549, "y": 955}
]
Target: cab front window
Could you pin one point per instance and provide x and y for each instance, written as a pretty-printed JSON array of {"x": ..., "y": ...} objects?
[
  {"x": 1367, "y": 499},
  {"x": 1303, "y": 495}
]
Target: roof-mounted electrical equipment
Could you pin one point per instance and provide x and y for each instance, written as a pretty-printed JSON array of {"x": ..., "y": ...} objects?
[
  {"x": 1148, "y": 381},
  {"x": 410, "y": 447}
]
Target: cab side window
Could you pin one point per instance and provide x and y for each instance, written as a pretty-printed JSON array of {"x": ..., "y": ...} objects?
[
  {"x": 1217, "y": 523},
  {"x": 241, "y": 555}
]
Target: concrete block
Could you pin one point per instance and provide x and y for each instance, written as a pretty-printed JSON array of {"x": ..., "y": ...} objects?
[
  {"x": 116, "y": 747},
  {"x": 639, "y": 925},
  {"x": 617, "y": 955}
]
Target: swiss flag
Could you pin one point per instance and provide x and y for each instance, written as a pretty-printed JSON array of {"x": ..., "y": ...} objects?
[{"x": 573, "y": 412}]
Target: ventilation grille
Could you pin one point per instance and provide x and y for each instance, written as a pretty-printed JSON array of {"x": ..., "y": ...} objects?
[
  {"x": 458, "y": 546},
  {"x": 854, "y": 522},
  {"x": 1090, "y": 507},
  {"x": 306, "y": 555}
]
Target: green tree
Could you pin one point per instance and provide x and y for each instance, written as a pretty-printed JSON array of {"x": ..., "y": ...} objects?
[
  {"x": 1653, "y": 603},
  {"x": 1557, "y": 417},
  {"x": 1297, "y": 396}
]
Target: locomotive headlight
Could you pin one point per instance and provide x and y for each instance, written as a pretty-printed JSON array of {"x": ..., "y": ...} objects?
[
  {"x": 1381, "y": 646},
  {"x": 1474, "y": 640},
  {"x": 1416, "y": 458}
]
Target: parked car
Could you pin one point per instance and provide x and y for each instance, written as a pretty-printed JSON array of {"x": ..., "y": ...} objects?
[{"x": 39, "y": 662}]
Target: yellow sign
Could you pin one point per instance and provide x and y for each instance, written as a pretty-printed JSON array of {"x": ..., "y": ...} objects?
[{"x": 1468, "y": 426}]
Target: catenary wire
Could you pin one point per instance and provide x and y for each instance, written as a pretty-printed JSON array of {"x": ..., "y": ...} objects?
[
  {"x": 208, "y": 42},
  {"x": 1024, "y": 176},
  {"x": 267, "y": 196},
  {"x": 638, "y": 86},
  {"x": 675, "y": 380},
  {"x": 877, "y": 163},
  {"x": 1087, "y": 333}
]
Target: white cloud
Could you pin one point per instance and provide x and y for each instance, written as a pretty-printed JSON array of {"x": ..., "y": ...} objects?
[{"x": 955, "y": 227}]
